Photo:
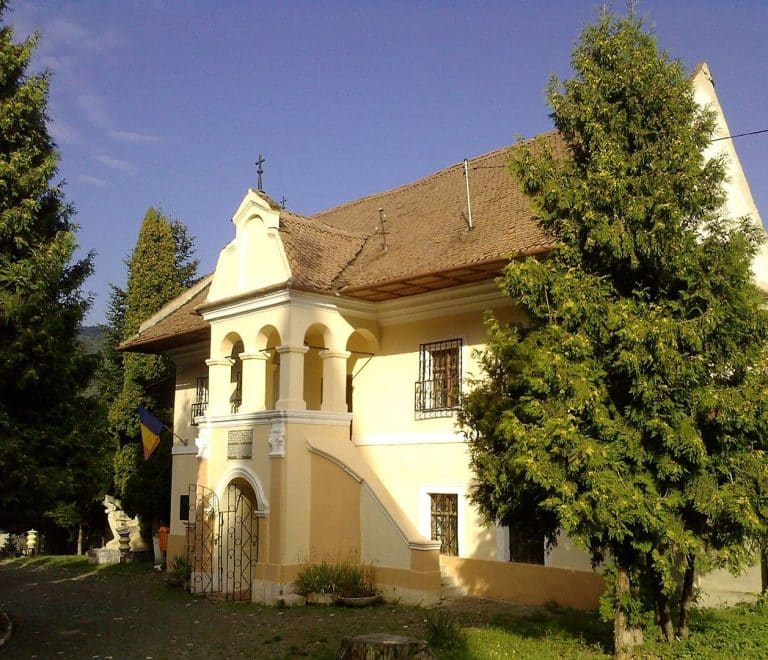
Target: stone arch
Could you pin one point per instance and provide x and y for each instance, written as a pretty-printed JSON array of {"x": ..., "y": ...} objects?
[
  {"x": 247, "y": 475},
  {"x": 228, "y": 343},
  {"x": 361, "y": 345}
]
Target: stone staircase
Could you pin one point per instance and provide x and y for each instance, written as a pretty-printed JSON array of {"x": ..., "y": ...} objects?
[{"x": 449, "y": 588}]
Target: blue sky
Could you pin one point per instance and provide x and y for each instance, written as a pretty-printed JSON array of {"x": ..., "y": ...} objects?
[{"x": 170, "y": 102}]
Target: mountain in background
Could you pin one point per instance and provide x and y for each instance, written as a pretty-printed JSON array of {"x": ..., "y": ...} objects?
[{"x": 92, "y": 338}]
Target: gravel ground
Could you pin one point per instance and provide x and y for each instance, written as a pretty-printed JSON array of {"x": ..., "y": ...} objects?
[{"x": 129, "y": 612}]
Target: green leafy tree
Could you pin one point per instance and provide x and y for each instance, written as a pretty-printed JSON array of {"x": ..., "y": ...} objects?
[
  {"x": 160, "y": 268},
  {"x": 44, "y": 447},
  {"x": 630, "y": 409}
]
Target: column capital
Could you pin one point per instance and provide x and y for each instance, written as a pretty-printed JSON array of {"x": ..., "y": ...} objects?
[
  {"x": 220, "y": 362},
  {"x": 292, "y": 349},
  {"x": 328, "y": 353},
  {"x": 253, "y": 356}
]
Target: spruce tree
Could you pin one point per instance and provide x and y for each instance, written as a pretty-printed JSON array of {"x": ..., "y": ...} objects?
[
  {"x": 44, "y": 368},
  {"x": 160, "y": 268},
  {"x": 629, "y": 410}
]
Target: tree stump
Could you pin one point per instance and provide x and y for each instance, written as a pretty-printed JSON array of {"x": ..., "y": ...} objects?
[{"x": 383, "y": 646}]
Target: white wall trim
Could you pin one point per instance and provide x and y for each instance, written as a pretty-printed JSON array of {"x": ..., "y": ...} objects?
[
  {"x": 258, "y": 302},
  {"x": 267, "y": 417}
]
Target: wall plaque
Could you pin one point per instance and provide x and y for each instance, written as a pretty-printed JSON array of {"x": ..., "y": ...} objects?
[{"x": 240, "y": 444}]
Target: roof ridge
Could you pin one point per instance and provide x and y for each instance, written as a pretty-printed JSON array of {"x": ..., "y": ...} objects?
[
  {"x": 331, "y": 229},
  {"x": 425, "y": 179}
]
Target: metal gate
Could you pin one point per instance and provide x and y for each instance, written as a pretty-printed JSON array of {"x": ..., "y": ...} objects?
[
  {"x": 238, "y": 541},
  {"x": 202, "y": 538},
  {"x": 223, "y": 540}
]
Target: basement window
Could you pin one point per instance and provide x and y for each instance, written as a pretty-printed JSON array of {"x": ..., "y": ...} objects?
[{"x": 444, "y": 521}]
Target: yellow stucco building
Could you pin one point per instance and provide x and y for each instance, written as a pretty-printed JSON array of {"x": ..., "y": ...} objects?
[{"x": 318, "y": 374}]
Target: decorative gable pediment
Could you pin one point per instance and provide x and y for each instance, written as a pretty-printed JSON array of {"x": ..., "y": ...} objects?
[{"x": 256, "y": 258}]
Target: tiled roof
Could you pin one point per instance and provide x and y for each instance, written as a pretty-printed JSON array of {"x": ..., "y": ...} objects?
[
  {"x": 317, "y": 252},
  {"x": 428, "y": 227},
  {"x": 179, "y": 325},
  {"x": 429, "y": 243}
]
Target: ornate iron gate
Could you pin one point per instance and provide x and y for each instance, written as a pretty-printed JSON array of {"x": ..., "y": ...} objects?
[
  {"x": 202, "y": 532},
  {"x": 222, "y": 541},
  {"x": 238, "y": 542}
]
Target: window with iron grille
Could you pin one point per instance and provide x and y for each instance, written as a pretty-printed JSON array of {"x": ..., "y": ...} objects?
[
  {"x": 526, "y": 546},
  {"x": 444, "y": 521},
  {"x": 439, "y": 386},
  {"x": 200, "y": 406}
]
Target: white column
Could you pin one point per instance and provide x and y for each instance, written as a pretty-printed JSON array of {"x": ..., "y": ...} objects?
[
  {"x": 219, "y": 385},
  {"x": 291, "y": 378},
  {"x": 334, "y": 380},
  {"x": 254, "y": 381}
]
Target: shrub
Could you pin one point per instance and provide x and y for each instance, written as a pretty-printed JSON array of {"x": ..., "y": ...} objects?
[
  {"x": 344, "y": 578},
  {"x": 181, "y": 568},
  {"x": 444, "y": 632}
]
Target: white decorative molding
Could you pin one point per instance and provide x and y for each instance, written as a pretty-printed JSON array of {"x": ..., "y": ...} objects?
[
  {"x": 244, "y": 471},
  {"x": 263, "y": 417},
  {"x": 260, "y": 301},
  {"x": 317, "y": 417},
  {"x": 277, "y": 439},
  {"x": 427, "y": 438}
]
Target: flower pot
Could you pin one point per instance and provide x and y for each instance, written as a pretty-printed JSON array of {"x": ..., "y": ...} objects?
[
  {"x": 358, "y": 601},
  {"x": 314, "y": 598}
]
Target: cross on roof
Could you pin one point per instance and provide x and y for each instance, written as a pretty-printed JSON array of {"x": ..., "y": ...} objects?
[{"x": 260, "y": 171}]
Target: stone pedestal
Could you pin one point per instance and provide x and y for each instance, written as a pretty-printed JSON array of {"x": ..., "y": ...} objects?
[{"x": 125, "y": 544}]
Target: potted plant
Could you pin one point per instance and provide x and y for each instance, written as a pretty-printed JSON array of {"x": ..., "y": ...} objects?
[
  {"x": 180, "y": 572},
  {"x": 358, "y": 588}
]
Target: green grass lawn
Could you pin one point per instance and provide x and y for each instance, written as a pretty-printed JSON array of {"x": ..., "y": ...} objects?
[
  {"x": 471, "y": 629},
  {"x": 735, "y": 632}
]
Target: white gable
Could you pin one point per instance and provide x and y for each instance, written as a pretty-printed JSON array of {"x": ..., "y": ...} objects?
[
  {"x": 256, "y": 258},
  {"x": 739, "y": 201}
]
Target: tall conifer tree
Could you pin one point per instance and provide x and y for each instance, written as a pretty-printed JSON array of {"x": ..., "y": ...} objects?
[
  {"x": 44, "y": 370},
  {"x": 630, "y": 410},
  {"x": 160, "y": 268}
]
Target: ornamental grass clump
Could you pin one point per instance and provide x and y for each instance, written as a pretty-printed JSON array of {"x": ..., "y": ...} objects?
[{"x": 340, "y": 578}]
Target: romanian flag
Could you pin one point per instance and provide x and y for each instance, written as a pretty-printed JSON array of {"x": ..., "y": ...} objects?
[{"x": 150, "y": 431}]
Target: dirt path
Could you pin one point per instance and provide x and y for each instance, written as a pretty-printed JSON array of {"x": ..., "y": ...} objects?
[{"x": 128, "y": 612}]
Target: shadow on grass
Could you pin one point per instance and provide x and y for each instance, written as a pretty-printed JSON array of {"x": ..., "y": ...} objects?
[{"x": 559, "y": 622}]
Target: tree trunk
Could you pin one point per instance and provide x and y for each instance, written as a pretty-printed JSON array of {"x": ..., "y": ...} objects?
[
  {"x": 80, "y": 539},
  {"x": 625, "y": 636},
  {"x": 665, "y": 617},
  {"x": 764, "y": 567},
  {"x": 686, "y": 597},
  {"x": 383, "y": 646},
  {"x": 663, "y": 611}
]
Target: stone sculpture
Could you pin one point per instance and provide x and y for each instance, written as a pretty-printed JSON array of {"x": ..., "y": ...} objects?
[{"x": 119, "y": 519}]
